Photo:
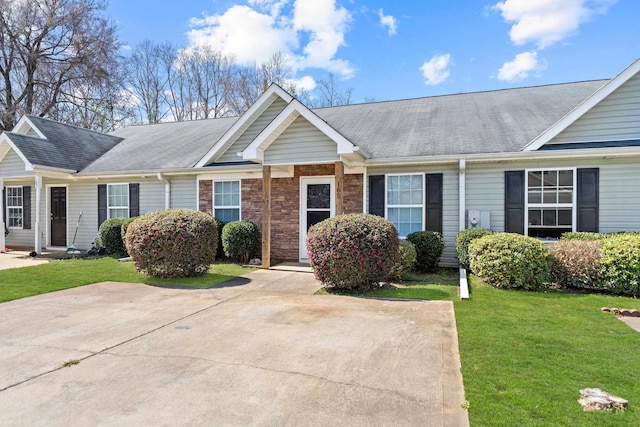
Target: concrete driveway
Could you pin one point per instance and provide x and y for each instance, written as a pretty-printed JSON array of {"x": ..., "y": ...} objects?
[{"x": 261, "y": 350}]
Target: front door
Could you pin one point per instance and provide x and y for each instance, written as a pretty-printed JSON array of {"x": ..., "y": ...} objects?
[
  {"x": 317, "y": 202},
  {"x": 58, "y": 216}
]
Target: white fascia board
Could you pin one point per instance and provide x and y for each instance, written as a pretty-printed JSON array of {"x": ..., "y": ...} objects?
[
  {"x": 25, "y": 120},
  {"x": 266, "y": 99},
  {"x": 582, "y": 108},
  {"x": 255, "y": 150},
  {"x": 4, "y": 138}
]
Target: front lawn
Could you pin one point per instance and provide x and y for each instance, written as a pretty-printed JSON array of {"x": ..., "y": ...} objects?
[
  {"x": 56, "y": 275},
  {"x": 526, "y": 355}
]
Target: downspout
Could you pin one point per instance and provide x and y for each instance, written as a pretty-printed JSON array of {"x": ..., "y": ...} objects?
[
  {"x": 462, "y": 194},
  {"x": 167, "y": 191}
]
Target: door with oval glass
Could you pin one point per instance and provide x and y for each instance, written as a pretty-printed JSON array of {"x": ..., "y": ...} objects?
[{"x": 317, "y": 202}]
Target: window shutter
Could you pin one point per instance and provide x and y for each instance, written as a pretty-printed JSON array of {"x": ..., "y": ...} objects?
[
  {"x": 102, "y": 203},
  {"x": 433, "y": 205},
  {"x": 134, "y": 200},
  {"x": 376, "y": 195},
  {"x": 588, "y": 200},
  {"x": 26, "y": 208},
  {"x": 514, "y": 201},
  {"x": 4, "y": 212}
]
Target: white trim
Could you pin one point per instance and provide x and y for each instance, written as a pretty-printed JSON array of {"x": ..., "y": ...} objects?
[
  {"x": 36, "y": 226},
  {"x": 27, "y": 164},
  {"x": 584, "y": 107},
  {"x": 21, "y": 207},
  {"x": 25, "y": 120},
  {"x": 213, "y": 197},
  {"x": 128, "y": 207},
  {"x": 405, "y": 206},
  {"x": 2, "y": 219},
  {"x": 542, "y": 205},
  {"x": 255, "y": 151},
  {"x": 48, "y": 215},
  {"x": 264, "y": 101},
  {"x": 302, "y": 223},
  {"x": 462, "y": 194}
]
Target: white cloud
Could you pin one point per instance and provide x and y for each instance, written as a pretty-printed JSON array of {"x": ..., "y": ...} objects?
[
  {"x": 389, "y": 22},
  {"x": 306, "y": 83},
  {"x": 436, "y": 70},
  {"x": 520, "y": 67},
  {"x": 254, "y": 32},
  {"x": 546, "y": 22}
]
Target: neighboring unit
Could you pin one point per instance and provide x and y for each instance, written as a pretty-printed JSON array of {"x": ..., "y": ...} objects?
[{"x": 537, "y": 161}]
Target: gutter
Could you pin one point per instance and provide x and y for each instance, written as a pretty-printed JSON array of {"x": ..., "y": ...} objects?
[{"x": 167, "y": 190}]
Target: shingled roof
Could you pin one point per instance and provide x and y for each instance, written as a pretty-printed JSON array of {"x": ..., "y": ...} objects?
[{"x": 65, "y": 147}]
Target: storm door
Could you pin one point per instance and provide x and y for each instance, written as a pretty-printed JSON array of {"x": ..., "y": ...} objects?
[{"x": 317, "y": 202}]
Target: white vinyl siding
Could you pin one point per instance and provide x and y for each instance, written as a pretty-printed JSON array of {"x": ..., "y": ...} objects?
[
  {"x": 14, "y": 205},
  {"x": 184, "y": 192},
  {"x": 252, "y": 131},
  {"x": 226, "y": 200},
  {"x": 300, "y": 143},
  {"x": 12, "y": 165},
  {"x": 117, "y": 200},
  {"x": 616, "y": 118},
  {"x": 20, "y": 237}
]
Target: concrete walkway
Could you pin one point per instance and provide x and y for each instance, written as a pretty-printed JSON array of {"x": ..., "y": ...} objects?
[
  {"x": 261, "y": 350},
  {"x": 15, "y": 259}
]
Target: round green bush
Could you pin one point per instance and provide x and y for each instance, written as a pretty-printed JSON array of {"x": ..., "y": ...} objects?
[
  {"x": 220, "y": 249},
  {"x": 123, "y": 229},
  {"x": 576, "y": 264},
  {"x": 110, "y": 233},
  {"x": 621, "y": 264},
  {"x": 462, "y": 243},
  {"x": 429, "y": 247},
  {"x": 173, "y": 243},
  {"x": 507, "y": 260},
  {"x": 582, "y": 235},
  {"x": 241, "y": 240},
  {"x": 407, "y": 255},
  {"x": 353, "y": 252}
]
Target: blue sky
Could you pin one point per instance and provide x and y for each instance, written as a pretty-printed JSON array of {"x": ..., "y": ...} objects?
[{"x": 388, "y": 49}]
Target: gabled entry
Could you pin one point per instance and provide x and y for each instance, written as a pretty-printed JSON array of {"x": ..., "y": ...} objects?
[{"x": 317, "y": 203}]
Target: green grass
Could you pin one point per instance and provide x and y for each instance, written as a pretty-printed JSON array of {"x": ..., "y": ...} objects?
[
  {"x": 441, "y": 286},
  {"x": 56, "y": 275},
  {"x": 526, "y": 355}
]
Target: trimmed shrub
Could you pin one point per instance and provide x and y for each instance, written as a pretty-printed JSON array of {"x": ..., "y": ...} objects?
[
  {"x": 220, "y": 249},
  {"x": 407, "y": 258},
  {"x": 582, "y": 235},
  {"x": 576, "y": 264},
  {"x": 507, "y": 260},
  {"x": 621, "y": 264},
  {"x": 462, "y": 243},
  {"x": 241, "y": 240},
  {"x": 429, "y": 247},
  {"x": 123, "y": 229},
  {"x": 173, "y": 243},
  {"x": 110, "y": 233},
  {"x": 354, "y": 251}
]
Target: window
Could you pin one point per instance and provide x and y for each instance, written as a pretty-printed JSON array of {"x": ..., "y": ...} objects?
[
  {"x": 550, "y": 202},
  {"x": 226, "y": 200},
  {"x": 118, "y": 200},
  {"x": 14, "y": 207},
  {"x": 405, "y": 205}
]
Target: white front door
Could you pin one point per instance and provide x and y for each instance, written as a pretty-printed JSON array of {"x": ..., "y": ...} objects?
[{"x": 317, "y": 202}]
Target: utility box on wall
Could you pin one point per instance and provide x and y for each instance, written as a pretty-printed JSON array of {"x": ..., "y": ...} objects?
[{"x": 478, "y": 219}]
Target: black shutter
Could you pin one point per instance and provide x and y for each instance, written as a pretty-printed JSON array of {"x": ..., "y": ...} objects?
[
  {"x": 4, "y": 211},
  {"x": 433, "y": 199},
  {"x": 588, "y": 200},
  {"x": 134, "y": 200},
  {"x": 26, "y": 208},
  {"x": 514, "y": 202},
  {"x": 102, "y": 203},
  {"x": 376, "y": 195}
]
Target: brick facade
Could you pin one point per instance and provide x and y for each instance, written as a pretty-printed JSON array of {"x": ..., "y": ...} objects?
[
  {"x": 205, "y": 196},
  {"x": 285, "y": 205}
]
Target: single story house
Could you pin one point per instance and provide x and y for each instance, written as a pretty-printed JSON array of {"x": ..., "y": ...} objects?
[{"x": 536, "y": 160}]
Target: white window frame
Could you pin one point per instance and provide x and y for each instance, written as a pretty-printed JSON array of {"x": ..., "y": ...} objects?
[
  {"x": 14, "y": 207},
  {"x": 387, "y": 206},
  {"x": 110, "y": 208},
  {"x": 542, "y": 205},
  {"x": 213, "y": 197}
]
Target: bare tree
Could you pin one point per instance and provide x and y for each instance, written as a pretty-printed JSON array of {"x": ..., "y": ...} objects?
[
  {"x": 327, "y": 94},
  {"x": 47, "y": 49}
]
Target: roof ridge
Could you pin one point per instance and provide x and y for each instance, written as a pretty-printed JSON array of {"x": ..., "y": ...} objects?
[{"x": 70, "y": 125}]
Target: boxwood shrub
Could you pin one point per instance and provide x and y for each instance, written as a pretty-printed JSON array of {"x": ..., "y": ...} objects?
[
  {"x": 507, "y": 260},
  {"x": 407, "y": 258},
  {"x": 621, "y": 264},
  {"x": 241, "y": 240},
  {"x": 353, "y": 252},
  {"x": 173, "y": 243},
  {"x": 429, "y": 247},
  {"x": 110, "y": 233},
  {"x": 582, "y": 235},
  {"x": 462, "y": 243},
  {"x": 123, "y": 229},
  {"x": 220, "y": 249},
  {"x": 577, "y": 264}
]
